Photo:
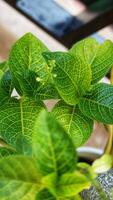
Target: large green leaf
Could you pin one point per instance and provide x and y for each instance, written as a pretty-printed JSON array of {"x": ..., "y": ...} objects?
[
  {"x": 71, "y": 76},
  {"x": 26, "y": 55},
  {"x": 52, "y": 147},
  {"x": 19, "y": 178},
  {"x": 98, "y": 104},
  {"x": 17, "y": 118},
  {"x": 98, "y": 56},
  {"x": 71, "y": 184},
  {"x": 78, "y": 126}
]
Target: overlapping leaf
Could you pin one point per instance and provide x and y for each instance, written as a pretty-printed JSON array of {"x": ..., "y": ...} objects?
[
  {"x": 26, "y": 55},
  {"x": 17, "y": 118},
  {"x": 71, "y": 75},
  {"x": 52, "y": 147},
  {"x": 71, "y": 184},
  {"x": 19, "y": 178},
  {"x": 78, "y": 126},
  {"x": 98, "y": 56},
  {"x": 98, "y": 104}
]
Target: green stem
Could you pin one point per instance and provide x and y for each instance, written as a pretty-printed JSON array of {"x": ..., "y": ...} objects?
[{"x": 109, "y": 146}]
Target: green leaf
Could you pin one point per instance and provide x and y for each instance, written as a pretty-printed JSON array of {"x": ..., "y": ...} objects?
[
  {"x": 52, "y": 147},
  {"x": 6, "y": 152},
  {"x": 17, "y": 118},
  {"x": 69, "y": 74},
  {"x": 49, "y": 181},
  {"x": 45, "y": 195},
  {"x": 6, "y": 87},
  {"x": 4, "y": 66},
  {"x": 98, "y": 56},
  {"x": 19, "y": 178},
  {"x": 71, "y": 184},
  {"x": 86, "y": 170},
  {"x": 103, "y": 164},
  {"x": 75, "y": 123},
  {"x": 98, "y": 104},
  {"x": 47, "y": 92},
  {"x": 26, "y": 55},
  {"x": 1, "y": 73},
  {"x": 32, "y": 87},
  {"x": 6, "y": 84}
]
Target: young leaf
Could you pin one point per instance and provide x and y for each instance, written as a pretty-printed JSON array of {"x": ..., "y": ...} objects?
[
  {"x": 86, "y": 170},
  {"x": 6, "y": 152},
  {"x": 32, "y": 87},
  {"x": 98, "y": 104},
  {"x": 26, "y": 54},
  {"x": 17, "y": 118},
  {"x": 75, "y": 123},
  {"x": 103, "y": 164},
  {"x": 71, "y": 184},
  {"x": 19, "y": 178},
  {"x": 52, "y": 147},
  {"x": 69, "y": 74},
  {"x": 98, "y": 56}
]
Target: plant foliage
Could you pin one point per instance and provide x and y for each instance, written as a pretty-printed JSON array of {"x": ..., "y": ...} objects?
[{"x": 39, "y": 160}]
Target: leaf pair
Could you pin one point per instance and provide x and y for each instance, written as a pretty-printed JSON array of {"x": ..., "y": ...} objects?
[
  {"x": 75, "y": 75},
  {"x": 50, "y": 173},
  {"x": 85, "y": 64}
]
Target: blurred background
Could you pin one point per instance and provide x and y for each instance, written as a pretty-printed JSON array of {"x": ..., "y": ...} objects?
[{"x": 59, "y": 24}]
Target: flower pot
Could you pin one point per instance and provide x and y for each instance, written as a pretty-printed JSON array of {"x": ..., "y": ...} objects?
[{"x": 89, "y": 154}]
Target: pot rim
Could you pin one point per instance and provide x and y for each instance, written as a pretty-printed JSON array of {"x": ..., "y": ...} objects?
[{"x": 90, "y": 153}]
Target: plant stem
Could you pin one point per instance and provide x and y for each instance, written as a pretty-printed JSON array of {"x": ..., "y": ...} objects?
[{"x": 109, "y": 146}]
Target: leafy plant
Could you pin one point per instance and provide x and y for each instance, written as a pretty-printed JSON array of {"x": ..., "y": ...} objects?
[
  {"x": 72, "y": 79},
  {"x": 50, "y": 172}
]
